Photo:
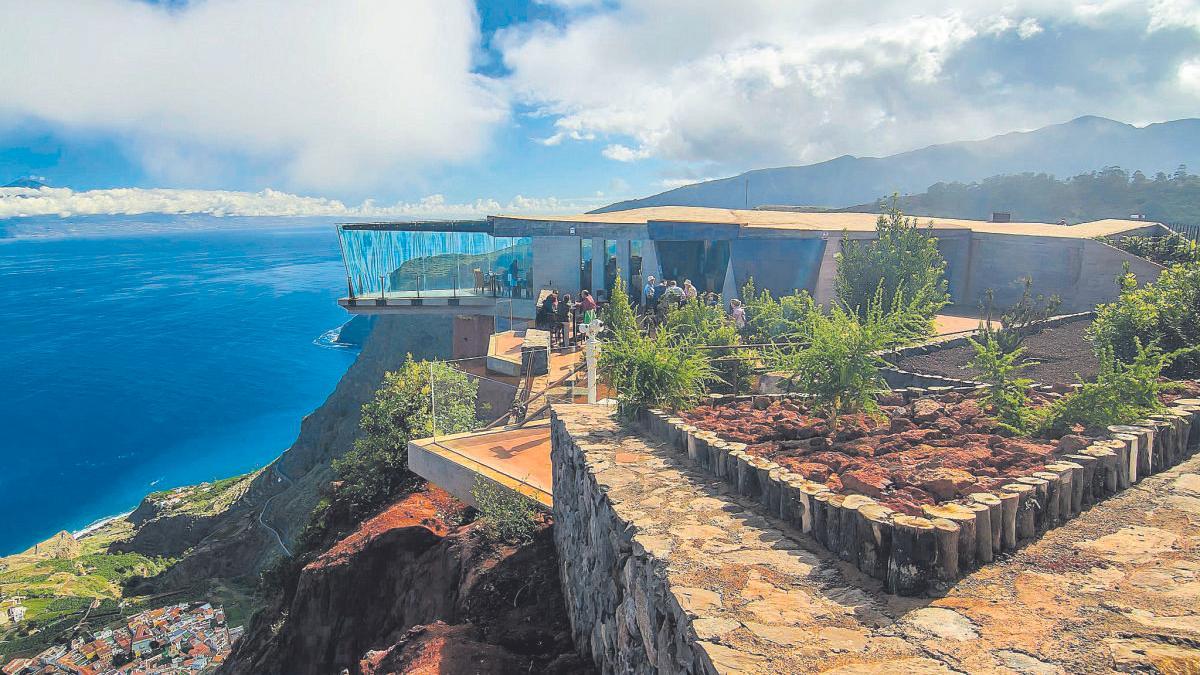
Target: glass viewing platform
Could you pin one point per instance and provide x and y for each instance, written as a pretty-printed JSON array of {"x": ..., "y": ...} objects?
[{"x": 434, "y": 261}]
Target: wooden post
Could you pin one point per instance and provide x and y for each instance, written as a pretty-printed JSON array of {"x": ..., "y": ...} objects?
[
  {"x": 1009, "y": 503},
  {"x": 914, "y": 550},
  {"x": 965, "y": 518},
  {"x": 1052, "y": 499},
  {"x": 849, "y": 545},
  {"x": 820, "y": 503},
  {"x": 833, "y": 523},
  {"x": 983, "y": 531},
  {"x": 945, "y": 533},
  {"x": 1106, "y": 482},
  {"x": 1065, "y": 473},
  {"x": 1041, "y": 494},
  {"x": 874, "y": 539},
  {"x": 995, "y": 516},
  {"x": 808, "y": 492},
  {"x": 1026, "y": 510},
  {"x": 1139, "y": 436},
  {"x": 1128, "y": 454}
]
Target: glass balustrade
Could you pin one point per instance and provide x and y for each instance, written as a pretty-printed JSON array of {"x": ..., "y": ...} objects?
[{"x": 404, "y": 264}]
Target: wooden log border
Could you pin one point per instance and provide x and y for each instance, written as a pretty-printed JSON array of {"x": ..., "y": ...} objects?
[{"x": 909, "y": 553}]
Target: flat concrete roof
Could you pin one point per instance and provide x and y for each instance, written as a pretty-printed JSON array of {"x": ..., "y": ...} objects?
[{"x": 817, "y": 222}]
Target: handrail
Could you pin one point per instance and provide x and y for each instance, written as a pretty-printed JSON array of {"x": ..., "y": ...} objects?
[{"x": 497, "y": 422}]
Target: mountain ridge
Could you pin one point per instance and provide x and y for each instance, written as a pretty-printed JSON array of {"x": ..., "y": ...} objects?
[{"x": 1085, "y": 143}]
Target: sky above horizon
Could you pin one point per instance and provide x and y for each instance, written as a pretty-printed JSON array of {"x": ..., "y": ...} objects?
[{"x": 436, "y": 108}]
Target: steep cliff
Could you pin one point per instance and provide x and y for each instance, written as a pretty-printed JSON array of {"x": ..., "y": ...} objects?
[
  {"x": 409, "y": 591},
  {"x": 238, "y": 540}
]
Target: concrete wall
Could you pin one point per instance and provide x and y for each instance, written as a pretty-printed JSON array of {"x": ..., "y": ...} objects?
[
  {"x": 1081, "y": 271},
  {"x": 471, "y": 333},
  {"x": 556, "y": 264}
]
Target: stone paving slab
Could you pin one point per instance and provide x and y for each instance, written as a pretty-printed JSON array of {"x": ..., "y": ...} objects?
[{"x": 1116, "y": 589}]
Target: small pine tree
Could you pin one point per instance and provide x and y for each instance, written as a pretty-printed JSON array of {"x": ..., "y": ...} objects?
[
  {"x": 902, "y": 260},
  {"x": 619, "y": 316}
]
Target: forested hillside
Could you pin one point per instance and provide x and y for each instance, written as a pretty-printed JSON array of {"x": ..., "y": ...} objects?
[{"x": 1109, "y": 193}]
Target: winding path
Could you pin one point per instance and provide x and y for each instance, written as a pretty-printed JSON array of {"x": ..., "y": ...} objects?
[{"x": 280, "y": 476}]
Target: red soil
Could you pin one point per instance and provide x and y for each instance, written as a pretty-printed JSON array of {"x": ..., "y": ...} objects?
[
  {"x": 427, "y": 509},
  {"x": 928, "y": 452}
]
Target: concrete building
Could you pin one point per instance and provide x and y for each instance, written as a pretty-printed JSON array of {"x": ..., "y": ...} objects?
[{"x": 494, "y": 268}]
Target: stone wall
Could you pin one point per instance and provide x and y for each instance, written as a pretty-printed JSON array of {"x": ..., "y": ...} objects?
[
  {"x": 907, "y": 553},
  {"x": 622, "y": 613}
]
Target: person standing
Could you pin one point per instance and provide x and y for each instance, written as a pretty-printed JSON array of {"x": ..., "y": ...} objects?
[
  {"x": 648, "y": 298},
  {"x": 738, "y": 313},
  {"x": 586, "y": 307},
  {"x": 689, "y": 291}
]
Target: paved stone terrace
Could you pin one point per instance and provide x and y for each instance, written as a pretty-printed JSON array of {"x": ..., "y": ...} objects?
[{"x": 1116, "y": 589}]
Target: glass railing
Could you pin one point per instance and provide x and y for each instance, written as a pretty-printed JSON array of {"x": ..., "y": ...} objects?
[{"x": 391, "y": 263}]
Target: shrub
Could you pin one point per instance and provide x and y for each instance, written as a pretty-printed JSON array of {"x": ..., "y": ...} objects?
[
  {"x": 695, "y": 325},
  {"x": 376, "y": 472},
  {"x": 506, "y": 517},
  {"x": 1165, "y": 313},
  {"x": 618, "y": 316},
  {"x": 903, "y": 260},
  {"x": 840, "y": 365},
  {"x": 1008, "y": 395},
  {"x": 770, "y": 320},
  {"x": 653, "y": 371},
  {"x": 1020, "y": 320},
  {"x": 1169, "y": 249},
  {"x": 1122, "y": 393}
]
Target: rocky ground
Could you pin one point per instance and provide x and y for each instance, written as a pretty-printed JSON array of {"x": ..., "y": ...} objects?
[
  {"x": 926, "y": 452},
  {"x": 411, "y": 590},
  {"x": 1116, "y": 589},
  {"x": 1056, "y": 354}
]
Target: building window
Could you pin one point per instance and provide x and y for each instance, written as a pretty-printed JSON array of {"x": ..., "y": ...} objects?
[{"x": 585, "y": 263}]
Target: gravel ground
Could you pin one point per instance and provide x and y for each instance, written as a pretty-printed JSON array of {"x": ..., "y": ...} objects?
[{"x": 1060, "y": 353}]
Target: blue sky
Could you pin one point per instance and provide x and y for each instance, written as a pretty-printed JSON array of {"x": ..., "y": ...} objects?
[{"x": 439, "y": 106}]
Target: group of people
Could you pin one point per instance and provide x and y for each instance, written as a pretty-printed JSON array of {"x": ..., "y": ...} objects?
[
  {"x": 659, "y": 297},
  {"x": 561, "y": 316}
]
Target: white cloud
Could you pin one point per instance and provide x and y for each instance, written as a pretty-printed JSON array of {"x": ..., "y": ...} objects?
[
  {"x": 335, "y": 95},
  {"x": 24, "y": 202},
  {"x": 712, "y": 88}
]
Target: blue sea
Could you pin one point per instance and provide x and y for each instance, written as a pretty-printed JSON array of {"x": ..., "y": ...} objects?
[{"x": 144, "y": 354}]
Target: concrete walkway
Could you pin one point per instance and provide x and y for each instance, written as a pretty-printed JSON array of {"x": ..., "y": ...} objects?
[{"x": 1116, "y": 589}]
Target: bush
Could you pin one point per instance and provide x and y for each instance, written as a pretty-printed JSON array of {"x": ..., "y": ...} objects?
[
  {"x": 619, "y": 317},
  {"x": 1123, "y": 393},
  {"x": 903, "y": 260},
  {"x": 1164, "y": 313},
  {"x": 1008, "y": 395},
  {"x": 505, "y": 516},
  {"x": 840, "y": 365},
  {"x": 696, "y": 324},
  {"x": 653, "y": 371},
  {"x": 770, "y": 320},
  {"x": 1020, "y": 320},
  {"x": 376, "y": 471},
  {"x": 1169, "y": 249}
]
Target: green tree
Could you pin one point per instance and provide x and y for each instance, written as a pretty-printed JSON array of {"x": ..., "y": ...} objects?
[
  {"x": 1123, "y": 393},
  {"x": 706, "y": 328},
  {"x": 1008, "y": 393},
  {"x": 1165, "y": 313},
  {"x": 619, "y": 316},
  {"x": 376, "y": 471},
  {"x": 903, "y": 261}
]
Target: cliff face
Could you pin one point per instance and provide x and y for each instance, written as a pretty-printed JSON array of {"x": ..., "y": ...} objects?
[
  {"x": 234, "y": 542},
  {"x": 407, "y": 589}
]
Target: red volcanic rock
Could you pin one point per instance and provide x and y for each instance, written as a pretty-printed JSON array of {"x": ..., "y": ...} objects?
[
  {"x": 915, "y": 436},
  {"x": 946, "y": 484},
  {"x": 812, "y": 471},
  {"x": 834, "y": 483},
  {"x": 1072, "y": 443},
  {"x": 901, "y": 424},
  {"x": 926, "y": 410},
  {"x": 947, "y": 425},
  {"x": 871, "y": 481},
  {"x": 965, "y": 411},
  {"x": 439, "y": 648}
]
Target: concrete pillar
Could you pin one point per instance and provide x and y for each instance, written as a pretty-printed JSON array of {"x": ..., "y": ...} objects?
[{"x": 824, "y": 292}]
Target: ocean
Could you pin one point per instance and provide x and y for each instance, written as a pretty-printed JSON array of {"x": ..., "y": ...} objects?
[{"x": 147, "y": 353}]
